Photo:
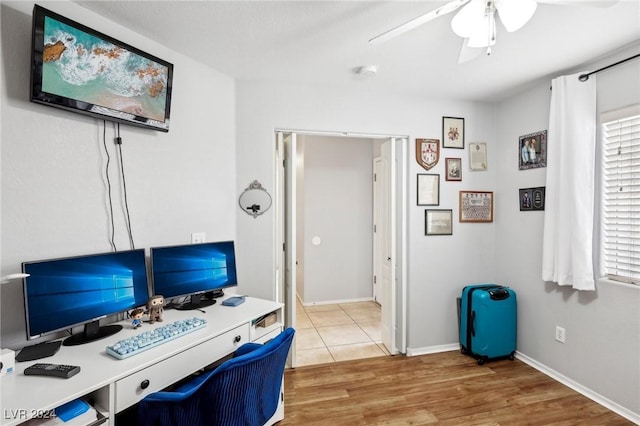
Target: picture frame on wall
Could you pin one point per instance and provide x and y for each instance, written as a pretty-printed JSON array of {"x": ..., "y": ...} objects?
[
  {"x": 453, "y": 167},
  {"x": 428, "y": 192},
  {"x": 476, "y": 206},
  {"x": 438, "y": 222},
  {"x": 532, "y": 150},
  {"x": 532, "y": 199},
  {"x": 478, "y": 156},
  {"x": 453, "y": 132}
]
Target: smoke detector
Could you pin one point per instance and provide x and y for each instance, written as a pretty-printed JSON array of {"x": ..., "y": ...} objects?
[{"x": 367, "y": 70}]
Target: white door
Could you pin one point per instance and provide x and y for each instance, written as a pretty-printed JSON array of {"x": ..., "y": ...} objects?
[
  {"x": 386, "y": 257},
  {"x": 278, "y": 204},
  {"x": 290, "y": 251}
]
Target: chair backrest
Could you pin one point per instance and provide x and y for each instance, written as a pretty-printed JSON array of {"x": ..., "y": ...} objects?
[{"x": 243, "y": 391}]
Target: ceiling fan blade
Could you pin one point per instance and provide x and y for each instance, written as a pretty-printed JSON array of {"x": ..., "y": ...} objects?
[
  {"x": 468, "y": 53},
  {"x": 465, "y": 22},
  {"x": 514, "y": 14},
  {"x": 416, "y": 22},
  {"x": 593, "y": 3}
]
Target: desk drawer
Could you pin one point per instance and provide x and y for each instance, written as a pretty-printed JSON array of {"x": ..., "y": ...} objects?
[{"x": 130, "y": 390}]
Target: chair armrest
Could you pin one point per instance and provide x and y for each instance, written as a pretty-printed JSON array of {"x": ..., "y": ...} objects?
[{"x": 246, "y": 348}]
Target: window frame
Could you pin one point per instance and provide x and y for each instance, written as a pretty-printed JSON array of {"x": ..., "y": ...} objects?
[{"x": 607, "y": 120}]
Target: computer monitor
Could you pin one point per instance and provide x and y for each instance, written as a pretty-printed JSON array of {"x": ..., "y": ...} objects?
[
  {"x": 192, "y": 270},
  {"x": 60, "y": 294}
]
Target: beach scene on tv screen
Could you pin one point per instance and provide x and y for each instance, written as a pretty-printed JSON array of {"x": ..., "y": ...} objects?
[{"x": 80, "y": 66}]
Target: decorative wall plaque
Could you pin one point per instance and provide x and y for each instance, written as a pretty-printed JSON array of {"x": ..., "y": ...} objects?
[{"x": 427, "y": 152}]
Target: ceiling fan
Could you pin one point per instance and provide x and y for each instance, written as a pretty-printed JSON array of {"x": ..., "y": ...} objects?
[{"x": 476, "y": 20}]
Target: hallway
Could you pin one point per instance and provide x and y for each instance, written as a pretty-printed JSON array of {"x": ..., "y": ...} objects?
[{"x": 338, "y": 332}]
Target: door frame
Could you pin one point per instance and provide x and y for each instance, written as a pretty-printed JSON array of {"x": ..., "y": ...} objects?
[
  {"x": 376, "y": 235},
  {"x": 399, "y": 168}
]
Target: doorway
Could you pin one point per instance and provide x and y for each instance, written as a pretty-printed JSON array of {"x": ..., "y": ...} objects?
[{"x": 304, "y": 241}]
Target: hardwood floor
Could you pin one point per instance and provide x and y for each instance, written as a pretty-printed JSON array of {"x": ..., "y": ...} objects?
[{"x": 446, "y": 389}]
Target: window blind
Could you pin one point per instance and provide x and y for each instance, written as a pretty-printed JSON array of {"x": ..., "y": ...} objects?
[{"x": 621, "y": 198}]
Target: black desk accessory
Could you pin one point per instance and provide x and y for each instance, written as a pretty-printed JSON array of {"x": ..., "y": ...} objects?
[
  {"x": 41, "y": 350},
  {"x": 52, "y": 370}
]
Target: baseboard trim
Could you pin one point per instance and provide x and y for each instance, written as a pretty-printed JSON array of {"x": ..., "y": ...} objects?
[
  {"x": 433, "y": 349},
  {"x": 594, "y": 396},
  {"x": 338, "y": 301}
]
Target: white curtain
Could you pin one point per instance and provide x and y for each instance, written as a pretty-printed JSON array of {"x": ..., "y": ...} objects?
[{"x": 567, "y": 257}]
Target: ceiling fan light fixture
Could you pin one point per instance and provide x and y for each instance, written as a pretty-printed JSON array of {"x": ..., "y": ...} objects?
[
  {"x": 482, "y": 39},
  {"x": 484, "y": 32},
  {"x": 514, "y": 14},
  {"x": 367, "y": 70}
]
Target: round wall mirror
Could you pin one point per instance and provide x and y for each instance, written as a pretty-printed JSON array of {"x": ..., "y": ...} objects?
[{"x": 255, "y": 200}]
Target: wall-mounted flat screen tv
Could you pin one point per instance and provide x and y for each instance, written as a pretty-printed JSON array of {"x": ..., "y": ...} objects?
[{"x": 82, "y": 70}]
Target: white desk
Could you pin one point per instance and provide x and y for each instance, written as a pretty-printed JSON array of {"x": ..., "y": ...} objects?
[{"x": 113, "y": 384}]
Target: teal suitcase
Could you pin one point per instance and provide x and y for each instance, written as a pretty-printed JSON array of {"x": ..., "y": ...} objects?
[{"x": 488, "y": 322}]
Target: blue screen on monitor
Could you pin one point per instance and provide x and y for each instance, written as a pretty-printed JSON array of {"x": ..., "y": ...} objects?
[
  {"x": 63, "y": 293},
  {"x": 192, "y": 269}
]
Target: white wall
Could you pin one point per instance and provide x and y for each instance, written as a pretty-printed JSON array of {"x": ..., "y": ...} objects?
[
  {"x": 438, "y": 267},
  {"x": 338, "y": 209},
  {"x": 602, "y": 349},
  {"x": 53, "y": 189}
]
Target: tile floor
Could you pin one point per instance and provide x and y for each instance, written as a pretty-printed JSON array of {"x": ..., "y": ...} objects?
[{"x": 340, "y": 332}]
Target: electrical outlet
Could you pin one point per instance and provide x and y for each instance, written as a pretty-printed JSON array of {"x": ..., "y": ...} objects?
[
  {"x": 560, "y": 334},
  {"x": 197, "y": 237}
]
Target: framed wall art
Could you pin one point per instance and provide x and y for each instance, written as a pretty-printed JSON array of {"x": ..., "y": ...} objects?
[
  {"x": 427, "y": 152},
  {"x": 453, "y": 132},
  {"x": 438, "y": 222},
  {"x": 532, "y": 199},
  {"x": 476, "y": 206},
  {"x": 428, "y": 190},
  {"x": 478, "y": 156},
  {"x": 532, "y": 150},
  {"x": 453, "y": 167}
]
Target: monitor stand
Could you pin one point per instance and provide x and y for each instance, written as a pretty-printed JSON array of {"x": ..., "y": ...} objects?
[
  {"x": 196, "y": 302},
  {"x": 92, "y": 331},
  {"x": 214, "y": 294}
]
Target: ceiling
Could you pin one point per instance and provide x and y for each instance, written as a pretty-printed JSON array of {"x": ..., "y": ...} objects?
[{"x": 320, "y": 43}]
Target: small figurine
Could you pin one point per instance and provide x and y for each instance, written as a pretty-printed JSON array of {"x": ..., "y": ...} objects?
[
  {"x": 155, "y": 308},
  {"x": 136, "y": 316}
]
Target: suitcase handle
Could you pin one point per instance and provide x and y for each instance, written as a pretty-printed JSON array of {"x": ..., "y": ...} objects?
[
  {"x": 473, "y": 323},
  {"x": 499, "y": 294}
]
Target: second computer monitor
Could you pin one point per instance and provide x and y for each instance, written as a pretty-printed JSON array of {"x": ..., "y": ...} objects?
[{"x": 192, "y": 270}]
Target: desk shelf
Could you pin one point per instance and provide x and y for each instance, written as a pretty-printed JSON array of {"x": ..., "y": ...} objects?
[{"x": 267, "y": 326}]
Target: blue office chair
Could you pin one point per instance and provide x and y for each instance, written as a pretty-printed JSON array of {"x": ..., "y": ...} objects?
[{"x": 243, "y": 391}]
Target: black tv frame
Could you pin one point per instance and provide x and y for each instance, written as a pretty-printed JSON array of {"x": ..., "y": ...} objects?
[{"x": 37, "y": 95}]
